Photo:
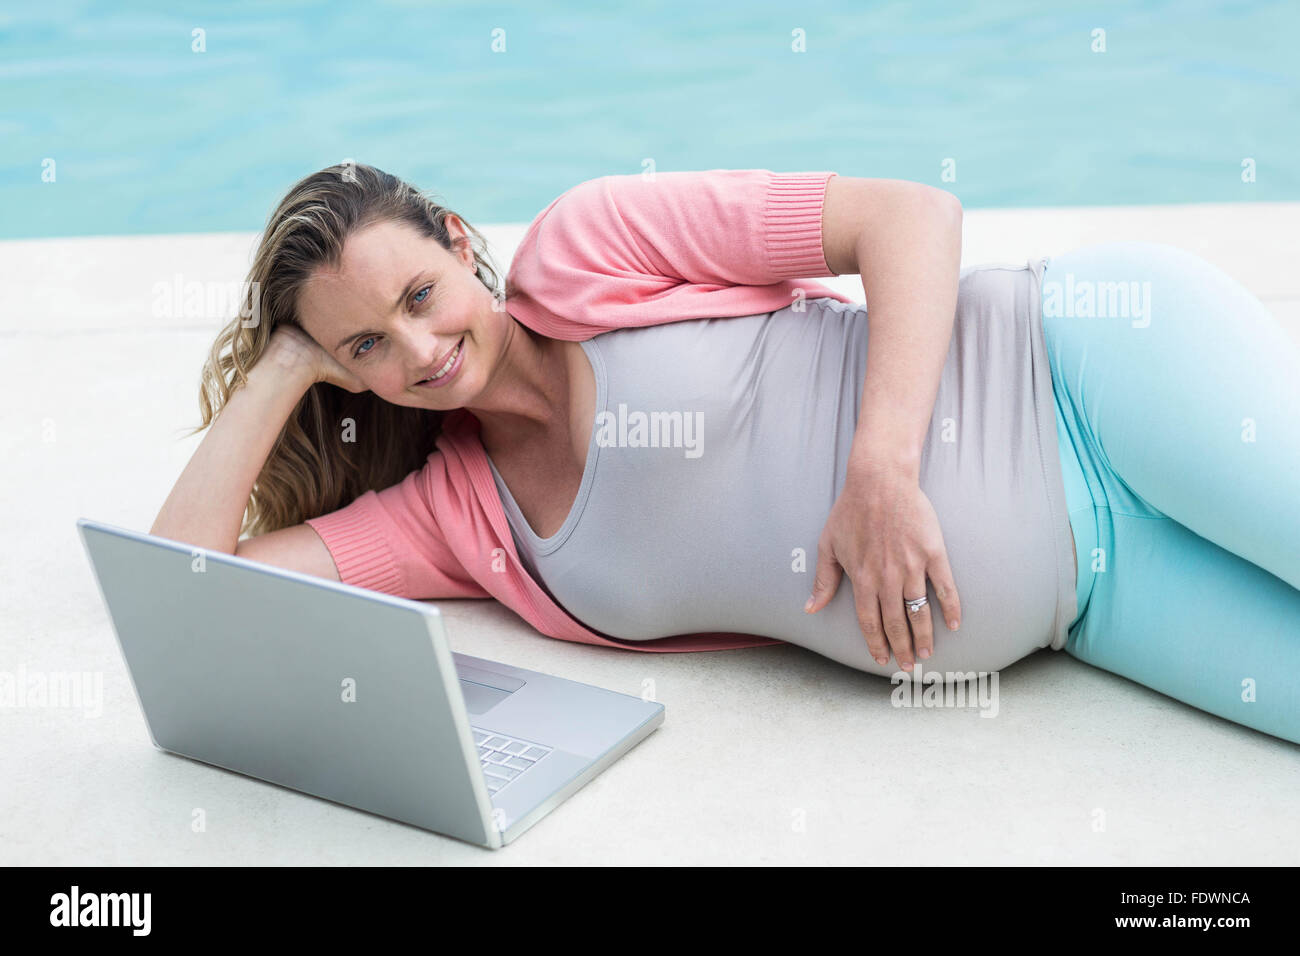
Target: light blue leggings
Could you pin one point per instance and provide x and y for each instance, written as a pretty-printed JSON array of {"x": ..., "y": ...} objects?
[{"x": 1178, "y": 413}]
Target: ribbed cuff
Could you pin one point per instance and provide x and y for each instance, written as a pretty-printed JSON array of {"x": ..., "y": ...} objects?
[
  {"x": 793, "y": 219},
  {"x": 355, "y": 538}
]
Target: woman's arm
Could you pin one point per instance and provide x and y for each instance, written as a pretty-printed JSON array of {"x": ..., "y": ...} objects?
[
  {"x": 904, "y": 239},
  {"x": 625, "y": 251},
  {"x": 206, "y": 506},
  {"x": 387, "y": 541}
]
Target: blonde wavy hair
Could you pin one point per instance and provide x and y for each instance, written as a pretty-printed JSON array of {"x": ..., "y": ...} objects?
[{"x": 311, "y": 471}]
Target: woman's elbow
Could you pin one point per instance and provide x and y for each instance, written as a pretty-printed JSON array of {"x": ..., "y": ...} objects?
[{"x": 948, "y": 201}]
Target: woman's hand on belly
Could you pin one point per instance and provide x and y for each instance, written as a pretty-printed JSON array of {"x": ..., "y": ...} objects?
[{"x": 885, "y": 533}]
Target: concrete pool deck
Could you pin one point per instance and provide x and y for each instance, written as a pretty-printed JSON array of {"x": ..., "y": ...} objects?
[{"x": 792, "y": 758}]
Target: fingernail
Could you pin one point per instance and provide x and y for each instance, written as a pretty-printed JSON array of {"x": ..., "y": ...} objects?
[
  {"x": 907, "y": 667},
  {"x": 882, "y": 661},
  {"x": 925, "y": 652},
  {"x": 808, "y": 606},
  {"x": 952, "y": 625}
]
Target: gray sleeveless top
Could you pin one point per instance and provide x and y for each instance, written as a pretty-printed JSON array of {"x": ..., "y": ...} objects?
[{"x": 720, "y": 445}]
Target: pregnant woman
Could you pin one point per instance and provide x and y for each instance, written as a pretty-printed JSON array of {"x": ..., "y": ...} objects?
[{"x": 660, "y": 436}]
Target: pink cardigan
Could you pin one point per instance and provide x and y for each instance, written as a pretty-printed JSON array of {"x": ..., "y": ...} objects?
[{"x": 610, "y": 253}]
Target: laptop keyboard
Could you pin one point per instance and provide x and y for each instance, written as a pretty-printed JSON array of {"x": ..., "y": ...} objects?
[{"x": 504, "y": 758}]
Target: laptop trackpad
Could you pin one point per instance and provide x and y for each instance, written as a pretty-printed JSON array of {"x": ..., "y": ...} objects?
[
  {"x": 480, "y": 699},
  {"x": 483, "y": 689}
]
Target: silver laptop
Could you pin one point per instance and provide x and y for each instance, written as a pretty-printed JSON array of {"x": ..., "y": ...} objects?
[{"x": 348, "y": 694}]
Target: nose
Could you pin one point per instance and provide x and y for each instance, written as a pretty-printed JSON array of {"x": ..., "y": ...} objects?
[{"x": 425, "y": 350}]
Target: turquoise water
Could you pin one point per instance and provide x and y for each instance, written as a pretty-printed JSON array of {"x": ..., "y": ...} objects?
[{"x": 147, "y": 135}]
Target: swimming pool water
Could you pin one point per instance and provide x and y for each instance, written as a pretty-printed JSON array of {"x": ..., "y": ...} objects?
[{"x": 147, "y": 135}]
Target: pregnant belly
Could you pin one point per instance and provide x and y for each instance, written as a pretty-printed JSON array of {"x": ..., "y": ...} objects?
[
  {"x": 754, "y": 575},
  {"x": 1008, "y": 590},
  {"x": 1008, "y": 602}
]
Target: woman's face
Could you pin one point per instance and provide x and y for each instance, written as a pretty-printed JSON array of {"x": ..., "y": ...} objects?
[{"x": 398, "y": 307}]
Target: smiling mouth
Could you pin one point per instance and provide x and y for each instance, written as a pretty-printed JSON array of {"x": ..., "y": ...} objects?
[{"x": 446, "y": 365}]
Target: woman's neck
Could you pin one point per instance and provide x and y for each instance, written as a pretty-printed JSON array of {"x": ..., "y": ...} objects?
[{"x": 529, "y": 395}]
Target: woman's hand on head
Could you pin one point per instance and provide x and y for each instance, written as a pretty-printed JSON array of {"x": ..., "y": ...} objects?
[
  {"x": 292, "y": 349},
  {"x": 884, "y": 532}
]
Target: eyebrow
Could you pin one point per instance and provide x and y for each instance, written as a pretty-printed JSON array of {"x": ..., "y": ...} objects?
[{"x": 396, "y": 305}]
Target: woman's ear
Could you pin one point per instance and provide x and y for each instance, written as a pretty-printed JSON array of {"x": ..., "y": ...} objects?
[{"x": 461, "y": 244}]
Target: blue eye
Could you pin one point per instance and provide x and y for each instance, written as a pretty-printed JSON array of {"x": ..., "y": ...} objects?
[
  {"x": 358, "y": 353},
  {"x": 416, "y": 298}
]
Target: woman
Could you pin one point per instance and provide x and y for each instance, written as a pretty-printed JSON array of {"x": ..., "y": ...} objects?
[{"x": 660, "y": 437}]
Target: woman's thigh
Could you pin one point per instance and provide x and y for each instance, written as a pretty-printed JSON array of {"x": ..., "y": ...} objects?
[
  {"x": 1178, "y": 390},
  {"x": 1185, "y": 391},
  {"x": 1185, "y": 617}
]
